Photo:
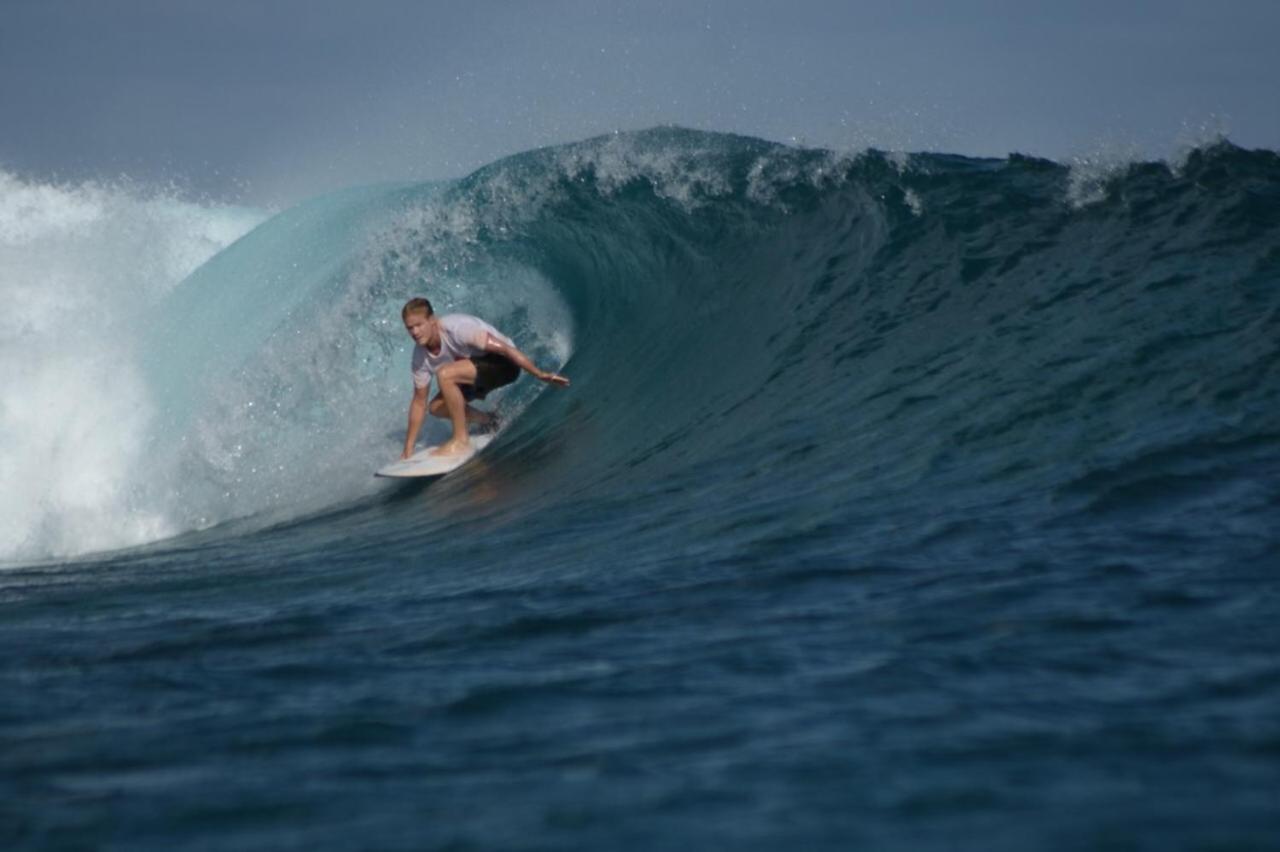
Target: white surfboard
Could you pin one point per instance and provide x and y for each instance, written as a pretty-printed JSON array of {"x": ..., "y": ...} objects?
[{"x": 423, "y": 464}]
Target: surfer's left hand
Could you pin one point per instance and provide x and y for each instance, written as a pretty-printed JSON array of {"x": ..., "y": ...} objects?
[{"x": 554, "y": 379}]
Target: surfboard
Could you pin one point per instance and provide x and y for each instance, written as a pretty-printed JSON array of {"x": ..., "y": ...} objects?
[{"x": 423, "y": 464}]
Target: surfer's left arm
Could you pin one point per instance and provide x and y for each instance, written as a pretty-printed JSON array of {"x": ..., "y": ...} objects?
[{"x": 500, "y": 347}]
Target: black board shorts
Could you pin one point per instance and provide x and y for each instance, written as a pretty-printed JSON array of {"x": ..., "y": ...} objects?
[{"x": 492, "y": 372}]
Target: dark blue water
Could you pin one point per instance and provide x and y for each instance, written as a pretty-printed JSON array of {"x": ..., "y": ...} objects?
[{"x": 898, "y": 502}]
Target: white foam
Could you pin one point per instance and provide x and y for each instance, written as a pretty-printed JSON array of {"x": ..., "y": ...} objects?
[
  {"x": 686, "y": 176},
  {"x": 1092, "y": 172},
  {"x": 1196, "y": 136},
  {"x": 782, "y": 168},
  {"x": 913, "y": 202},
  {"x": 79, "y": 266}
]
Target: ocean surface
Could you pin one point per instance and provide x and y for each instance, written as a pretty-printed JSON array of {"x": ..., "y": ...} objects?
[{"x": 899, "y": 501}]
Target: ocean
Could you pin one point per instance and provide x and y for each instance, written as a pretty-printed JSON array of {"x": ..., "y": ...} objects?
[{"x": 899, "y": 501}]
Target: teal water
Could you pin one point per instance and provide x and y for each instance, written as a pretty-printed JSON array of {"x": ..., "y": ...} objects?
[{"x": 911, "y": 502}]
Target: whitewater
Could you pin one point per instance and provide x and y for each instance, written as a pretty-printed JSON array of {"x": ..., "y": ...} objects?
[{"x": 897, "y": 498}]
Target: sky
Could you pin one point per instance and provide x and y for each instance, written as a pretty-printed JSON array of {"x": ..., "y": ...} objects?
[{"x": 271, "y": 101}]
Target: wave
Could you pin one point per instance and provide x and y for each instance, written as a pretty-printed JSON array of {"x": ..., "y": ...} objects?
[{"x": 846, "y": 330}]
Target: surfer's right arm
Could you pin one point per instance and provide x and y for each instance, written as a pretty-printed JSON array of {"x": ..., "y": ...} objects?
[
  {"x": 417, "y": 413},
  {"x": 507, "y": 350}
]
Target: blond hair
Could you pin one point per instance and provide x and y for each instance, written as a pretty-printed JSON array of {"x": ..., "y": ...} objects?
[{"x": 413, "y": 306}]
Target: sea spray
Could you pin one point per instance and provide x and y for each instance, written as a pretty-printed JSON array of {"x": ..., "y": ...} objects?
[{"x": 80, "y": 265}]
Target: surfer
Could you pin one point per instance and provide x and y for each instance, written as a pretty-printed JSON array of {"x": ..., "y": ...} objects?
[{"x": 469, "y": 358}]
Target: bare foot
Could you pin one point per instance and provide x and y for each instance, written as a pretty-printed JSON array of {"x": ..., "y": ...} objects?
[{"x": 452, "y": 448}]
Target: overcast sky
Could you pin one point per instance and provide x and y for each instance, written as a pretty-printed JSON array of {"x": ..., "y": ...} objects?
[{"x": 272, "y": 101}]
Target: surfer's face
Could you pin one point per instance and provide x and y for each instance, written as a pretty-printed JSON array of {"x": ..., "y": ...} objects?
[{"x": 420, "y": 327}]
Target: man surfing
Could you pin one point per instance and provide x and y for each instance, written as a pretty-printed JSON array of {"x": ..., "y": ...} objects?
[{"x": 469, "y": 358}]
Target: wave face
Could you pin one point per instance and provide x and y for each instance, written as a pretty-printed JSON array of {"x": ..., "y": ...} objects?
[{"x": 885, "y": 483}]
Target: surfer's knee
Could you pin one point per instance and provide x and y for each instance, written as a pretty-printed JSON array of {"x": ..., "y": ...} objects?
[
  {"x": 445, "y": 376},
  {"x": 457, "y": 372}
]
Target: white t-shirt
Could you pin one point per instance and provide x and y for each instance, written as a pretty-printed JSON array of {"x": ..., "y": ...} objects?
[{"x": 461, "y": 336}]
